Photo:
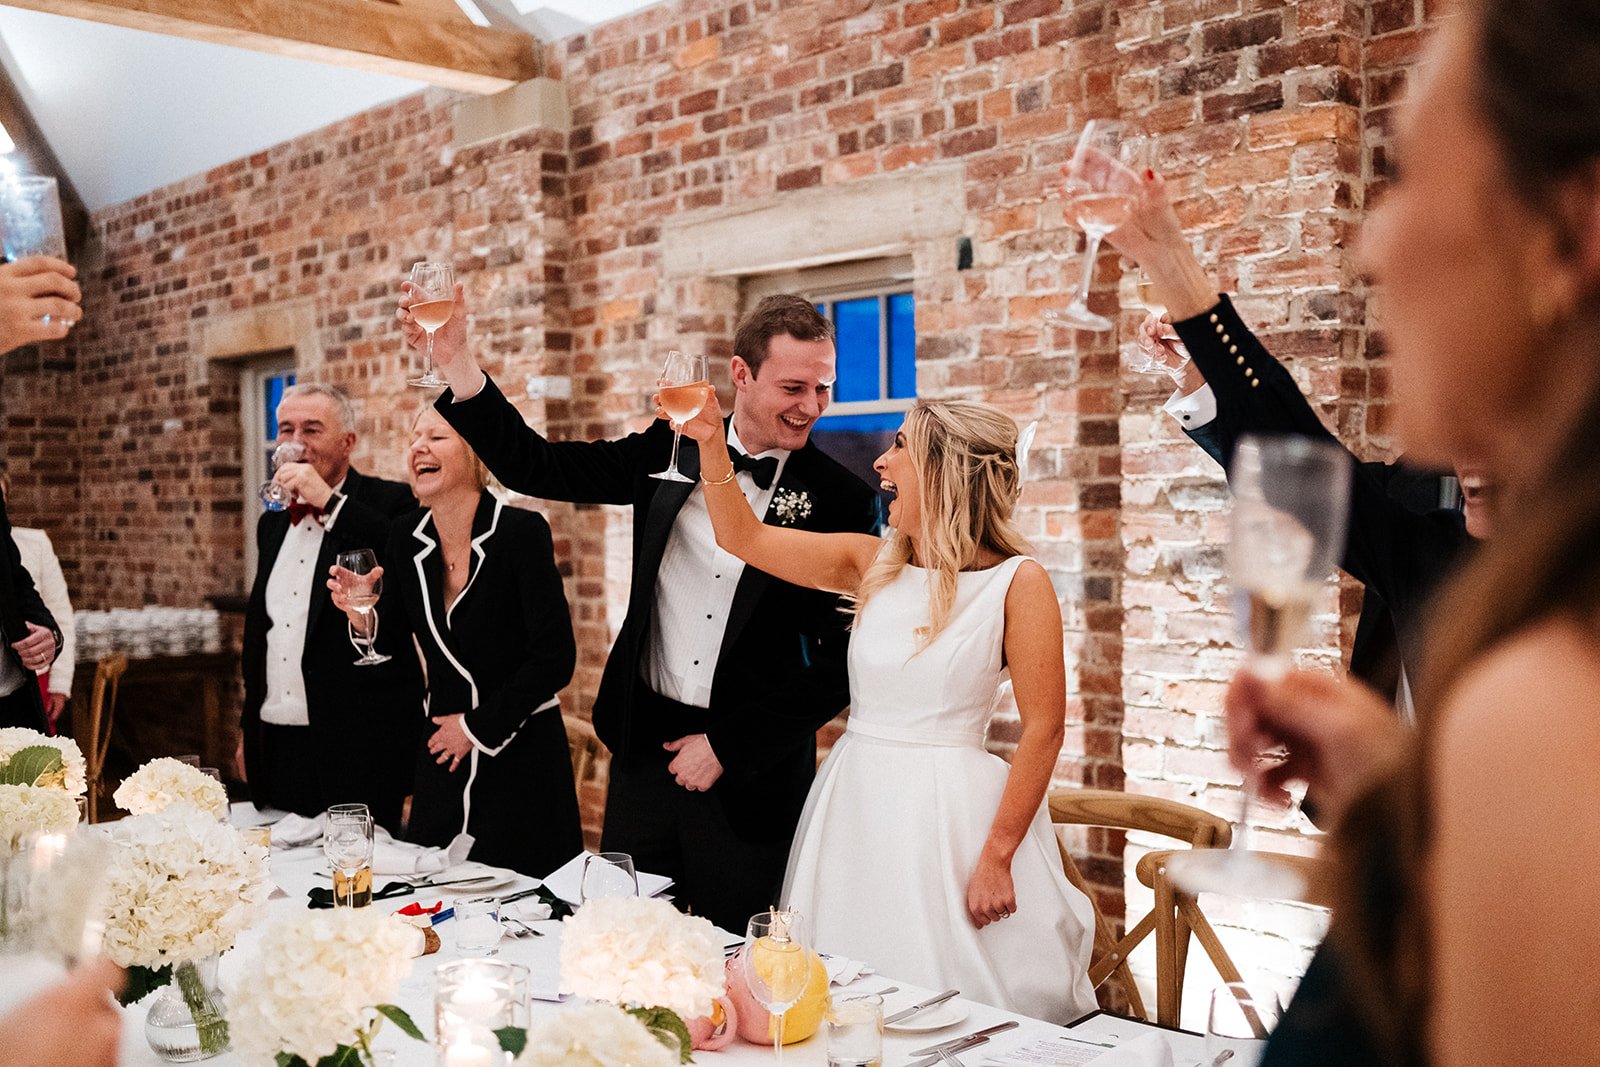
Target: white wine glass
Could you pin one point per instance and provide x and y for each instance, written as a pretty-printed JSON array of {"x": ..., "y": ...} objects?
[
  {"x": 682, "y": 390},
  {"x": 1100, "y": 194},
  {"x": 275, "y": 497},
  {"x": 30, "y": 220},
  {"x": 347, "y": 841},
  {"x": 361, "y": 589},
  {"x": 434, "y": 286},
  {"x": 608, "y": 874},
  {"x": 777, "y": 965},
  {"x": 1291, "y": 503},
  {"x": 1241, "y": 1019}
]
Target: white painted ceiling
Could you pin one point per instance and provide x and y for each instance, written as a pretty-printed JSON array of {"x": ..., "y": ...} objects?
[{"x": 127, "y": 111}]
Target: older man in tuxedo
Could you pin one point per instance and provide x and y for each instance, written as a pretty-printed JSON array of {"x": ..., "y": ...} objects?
[
  {"x": 721, "y": 675},
  {"x": 319, "y": 730}
]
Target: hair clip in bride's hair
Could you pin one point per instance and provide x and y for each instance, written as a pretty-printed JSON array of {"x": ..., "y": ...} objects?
[{"x": 1024, "y": 446}]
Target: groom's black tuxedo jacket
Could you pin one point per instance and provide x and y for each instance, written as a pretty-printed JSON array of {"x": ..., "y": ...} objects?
[
  {"x": 365, "y": 721},
  {"x": 1398, "y": 553},
  {"x": 20, "y": 604},
  {"x": 781, "y": 672}
]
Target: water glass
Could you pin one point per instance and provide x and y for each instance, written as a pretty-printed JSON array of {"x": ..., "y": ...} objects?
[
  {"x": 347, "y": 841},
  {"x": 855, "y": 1031},
  {"x": 1242, "y": 1017},
  {"x": 477, "y": 925}
]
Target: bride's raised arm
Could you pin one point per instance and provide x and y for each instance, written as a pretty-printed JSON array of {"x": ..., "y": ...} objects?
[{"x": 831, "y": 561}]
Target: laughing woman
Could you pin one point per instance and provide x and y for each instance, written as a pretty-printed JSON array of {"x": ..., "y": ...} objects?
[
  {"x": 483, "y": 598},
  {"x": 918, "y": 849}
]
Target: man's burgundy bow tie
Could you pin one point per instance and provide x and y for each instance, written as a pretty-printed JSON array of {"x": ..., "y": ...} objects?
[{"x": 300, "y": 509}]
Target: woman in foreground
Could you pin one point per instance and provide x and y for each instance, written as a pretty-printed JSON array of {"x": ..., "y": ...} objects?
[
  {"x": 1468, "y": 852},
  {"x": 918, "y": 850}
]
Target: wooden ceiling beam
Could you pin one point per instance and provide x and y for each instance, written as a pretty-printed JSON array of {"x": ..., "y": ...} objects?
[{"x": 382, "y": 38}]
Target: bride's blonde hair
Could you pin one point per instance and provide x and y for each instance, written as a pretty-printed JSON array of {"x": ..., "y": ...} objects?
[{"x": 965, "y": 456}]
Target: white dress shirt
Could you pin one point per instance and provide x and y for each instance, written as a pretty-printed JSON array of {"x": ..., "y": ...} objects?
[
  {"x": 694, "y": 592},
  {"x": 1194, "y": 410},
  {"x": 289, "y": 588},
  {"x": 39, "y": 557}
]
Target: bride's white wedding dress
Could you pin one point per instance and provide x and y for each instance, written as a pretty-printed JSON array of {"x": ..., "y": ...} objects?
[{"x": 900, "y": 811}]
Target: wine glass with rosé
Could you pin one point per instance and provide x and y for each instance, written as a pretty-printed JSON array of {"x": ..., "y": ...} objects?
[
  {"x": 1100, "y": 193},
  {"x": 682, "y": 390},
  {"x": 435, "y": 287}
]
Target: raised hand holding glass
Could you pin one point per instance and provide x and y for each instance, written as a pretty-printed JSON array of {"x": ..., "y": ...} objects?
[
  {"x": 275, "y": 497},
  {"x": 682, "y": 390},
  {"x": 1099, "y": 194},
  {"x": 361, "y": 589},
  {"x": 434, "y": 286}
]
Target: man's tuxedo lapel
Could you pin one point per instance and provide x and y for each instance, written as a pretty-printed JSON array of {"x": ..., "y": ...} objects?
[
  {"x": 665, "y": 503},
  {"x": 753, "y": 583},
  {"x": 274, "y": 528},
  {"x": 332, "y": 545}
]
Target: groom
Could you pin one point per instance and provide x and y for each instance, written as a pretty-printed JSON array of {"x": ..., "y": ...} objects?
[{"x": 721, "y": 675}]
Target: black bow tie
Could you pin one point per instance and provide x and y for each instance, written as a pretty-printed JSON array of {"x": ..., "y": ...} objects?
[{"x": 762, "y": 471}]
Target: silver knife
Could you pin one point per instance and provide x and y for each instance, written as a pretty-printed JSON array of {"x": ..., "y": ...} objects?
[
  {"x": 907, "y": 1013},
  {"x": 998, "y": 1028},
  {"x": 937, "y": 1057}
]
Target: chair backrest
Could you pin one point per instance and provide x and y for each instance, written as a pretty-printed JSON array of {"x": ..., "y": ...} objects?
[
  {"x": 584, "y": 747},
  {"x": 102, "y": 709},
  {"x": 1129, "y": 811},
  {"x": 1178, "y": 915}
]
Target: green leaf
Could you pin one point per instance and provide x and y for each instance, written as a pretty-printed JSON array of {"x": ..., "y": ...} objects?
[
  {"x": 142, "y": 981},
  {"x": 513, "y": 1039},
  {"x": 343, "y": 1056},
  {"x": 666, "y": 1019},
  {"x": 28, "y": 765},
  {"x": 289, "y": 1059},
  {"x": 398, "y": 1016}
]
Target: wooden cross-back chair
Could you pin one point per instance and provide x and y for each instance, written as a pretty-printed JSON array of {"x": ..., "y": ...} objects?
[
  {"x": 584, "y": 747},
  {"x": 96, "y": 740},
  {"x": 1116, "y": 810},
  {"x": 1178, "y": 914}
]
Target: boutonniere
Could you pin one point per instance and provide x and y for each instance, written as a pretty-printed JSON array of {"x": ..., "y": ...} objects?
[{"x": 791, "y": 507}]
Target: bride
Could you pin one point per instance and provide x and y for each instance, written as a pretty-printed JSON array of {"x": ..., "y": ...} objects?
[{"x": 918, "y": 850}]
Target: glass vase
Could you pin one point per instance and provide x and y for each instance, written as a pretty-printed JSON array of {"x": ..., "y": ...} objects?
[{"x": 186, "y": 1021}]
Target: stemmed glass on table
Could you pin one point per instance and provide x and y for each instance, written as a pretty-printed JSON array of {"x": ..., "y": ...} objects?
[
  {"x": 608, "y": 874},
  {"x": 682, "y": 390},
  {"x": 434, "y": 286},
  {"x": 347, "y": 840},
  {"x": 274, "y": 497},
  {"x": 361, "y": 590},
  {"x": 1291, "y": 499},
  {"x": 1100, "y": 192},
  {"x": 777, "y": 966},
  {"x": 1242, "y": 1017}
]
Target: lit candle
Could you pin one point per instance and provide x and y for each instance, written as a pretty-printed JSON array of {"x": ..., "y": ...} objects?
[
  {"x": 463, "y": 1053},
  {"x": 475, "y": 1000},
  {"x": 48, "y": 848}
]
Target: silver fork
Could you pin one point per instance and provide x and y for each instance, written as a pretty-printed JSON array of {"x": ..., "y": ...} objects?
[{"x": 523, "y": 929}]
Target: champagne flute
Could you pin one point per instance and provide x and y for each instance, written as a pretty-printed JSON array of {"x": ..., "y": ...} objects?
[
  {"x": 1240, "y": 1021},
  {"x": 435, "y": 286},
  {"x": 275, "y": 497},
  {"x": 608, "y": 874},
  {"x": 682, "y": 390},
  {"x": 362, "y": 590},
  {"x": 347, "y": 841},
  {"x": 1100, "y": 193},
  {"x": 777, "y": 967},
  {"x": 1291, "y": 500}
]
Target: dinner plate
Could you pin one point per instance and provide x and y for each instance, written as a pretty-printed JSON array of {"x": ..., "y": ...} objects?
[
  {"x": 494, "y": 878},
  {"x": 935, "y": 1018}
]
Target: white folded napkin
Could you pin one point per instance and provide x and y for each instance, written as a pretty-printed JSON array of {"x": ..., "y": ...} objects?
[
  {"x": 399, "y": 857},
  {"x": 567, "y": 883},
  {"x": 291, "y": 831},
  {"x": 530, "y": 909},
  {"x": 1151, "y": 1050},
  {"x": 843, "y": 971}
]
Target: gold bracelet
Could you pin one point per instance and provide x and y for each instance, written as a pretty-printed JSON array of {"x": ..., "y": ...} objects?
[{"x": 731, "y": 472}]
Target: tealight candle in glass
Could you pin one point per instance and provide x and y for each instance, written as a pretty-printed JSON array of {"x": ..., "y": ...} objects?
[{"x": 474, "y": 997}]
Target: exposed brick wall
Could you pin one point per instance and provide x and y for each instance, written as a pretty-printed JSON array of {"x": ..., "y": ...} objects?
[{"x": 1269, "y": 119}]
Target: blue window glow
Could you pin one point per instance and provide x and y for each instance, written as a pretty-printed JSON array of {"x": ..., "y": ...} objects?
[
  {"x": 902, "y": 347},
  {"x": 274, "y": 395},
  {"x": 857, "y": 333}
]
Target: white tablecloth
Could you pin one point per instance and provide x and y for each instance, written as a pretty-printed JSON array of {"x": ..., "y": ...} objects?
[{"x": 297, "y": 870}]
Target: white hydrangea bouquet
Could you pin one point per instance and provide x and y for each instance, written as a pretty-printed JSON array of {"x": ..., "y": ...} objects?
[
  {"x": 182, "y": 888},
  {"x": 318, "y": 988},
  {"x": 164, "y": 782},
  {"x": 593, "y": 1035},
  {"x": 645, "y": 956},
  {"x": 41, "y": 778}
]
